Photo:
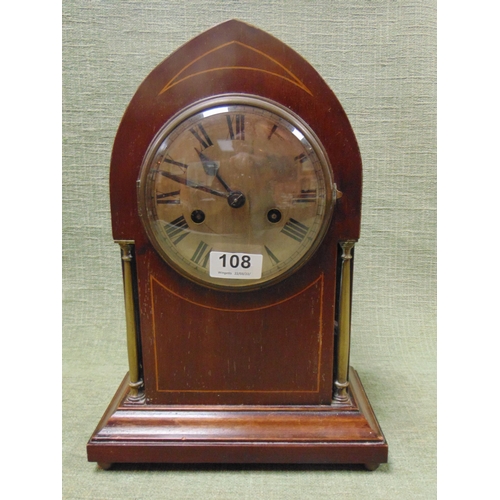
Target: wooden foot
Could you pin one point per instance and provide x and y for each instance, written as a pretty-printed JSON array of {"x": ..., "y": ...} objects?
[
  {"x": 104, "y": 465},
  {"x": 371, "y": 466}
]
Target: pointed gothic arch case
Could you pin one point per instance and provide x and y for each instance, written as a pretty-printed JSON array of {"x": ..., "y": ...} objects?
[{"x": 235, "y": 190}]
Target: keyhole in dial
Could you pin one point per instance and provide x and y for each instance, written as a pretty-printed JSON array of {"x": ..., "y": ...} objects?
[
  {"x": 198, "y": 216},
  {"x": 274, "y": 215}
]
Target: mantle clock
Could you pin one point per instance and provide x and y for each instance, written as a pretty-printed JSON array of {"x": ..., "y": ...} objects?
[{"x": 235, "y": 190}]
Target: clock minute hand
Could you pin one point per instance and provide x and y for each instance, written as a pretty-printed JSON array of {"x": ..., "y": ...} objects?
[
  {"x": 211, "y": 167},
  {"x": 192, "y": 184}
]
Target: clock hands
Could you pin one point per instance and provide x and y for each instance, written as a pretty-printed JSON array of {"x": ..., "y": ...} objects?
[
  {"x": 235, "y": 199},
  {"x": 211, "y": 167},
  {"x": 194, "y": 185}
]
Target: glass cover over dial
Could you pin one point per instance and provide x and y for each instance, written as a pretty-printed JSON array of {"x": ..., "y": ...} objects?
[{"x": 235, "y": 193}]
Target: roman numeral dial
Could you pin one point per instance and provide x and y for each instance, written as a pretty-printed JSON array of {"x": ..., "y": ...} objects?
[
  {"x": 301, "y": 158},
  {"x": 202, "y": 136},
  {"x": 177, "y": 230},
  {"x": 179, "y": 164},
  {"x": 171, "y": 198},
  {"x": 236, "y": 126},
  {"x": 201, "y": 254},
  {"x": 237, "y": 179},
  {"x": 273, "y": 129},
  {"x": 306, "y": 196},
  {"x": 271, "y": 256},
  {"x": 295, "y": 230}
]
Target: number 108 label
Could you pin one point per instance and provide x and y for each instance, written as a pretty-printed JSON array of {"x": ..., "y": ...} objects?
[{"x": 239, "y": 266}]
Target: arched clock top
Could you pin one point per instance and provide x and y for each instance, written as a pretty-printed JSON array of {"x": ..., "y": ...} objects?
[{"x": 233, "y": 58}]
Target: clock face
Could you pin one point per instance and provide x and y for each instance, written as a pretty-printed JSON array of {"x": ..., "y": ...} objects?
[{"x": 235, "y": 193}]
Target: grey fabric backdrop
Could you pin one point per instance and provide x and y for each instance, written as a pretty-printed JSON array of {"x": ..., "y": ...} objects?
[{"x": 379, "y": 57}]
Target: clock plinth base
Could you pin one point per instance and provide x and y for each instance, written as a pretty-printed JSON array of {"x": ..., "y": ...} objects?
[{"x": 240, "y": 434}]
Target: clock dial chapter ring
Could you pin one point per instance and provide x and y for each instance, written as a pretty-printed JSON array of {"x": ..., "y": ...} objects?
[{"x": 237, "y": 176}]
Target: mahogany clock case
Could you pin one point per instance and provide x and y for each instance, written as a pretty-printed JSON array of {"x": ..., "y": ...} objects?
[{"x": 246, "y": 376}]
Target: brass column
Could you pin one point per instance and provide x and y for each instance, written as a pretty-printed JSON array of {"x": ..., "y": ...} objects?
[
  {"x": 135, "y": 395},
  {"x": 341, "y": 381}
]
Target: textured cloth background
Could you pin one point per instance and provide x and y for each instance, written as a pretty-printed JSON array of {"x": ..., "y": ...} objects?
[{"x": 379, "y": 57}]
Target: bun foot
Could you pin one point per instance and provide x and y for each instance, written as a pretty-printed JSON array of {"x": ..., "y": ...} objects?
[{"x": 104, "y": 465}]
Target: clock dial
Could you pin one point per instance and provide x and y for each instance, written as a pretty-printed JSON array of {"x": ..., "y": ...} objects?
[{"x": 241, "y": 180}]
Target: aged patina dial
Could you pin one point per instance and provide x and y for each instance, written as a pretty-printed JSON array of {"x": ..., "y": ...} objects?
[{"x": 236, "y": 192}]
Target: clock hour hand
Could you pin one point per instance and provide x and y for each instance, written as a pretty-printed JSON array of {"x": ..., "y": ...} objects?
[
  {"x": 194, "y": 185},
  {"x": 211, "y": 167}
]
